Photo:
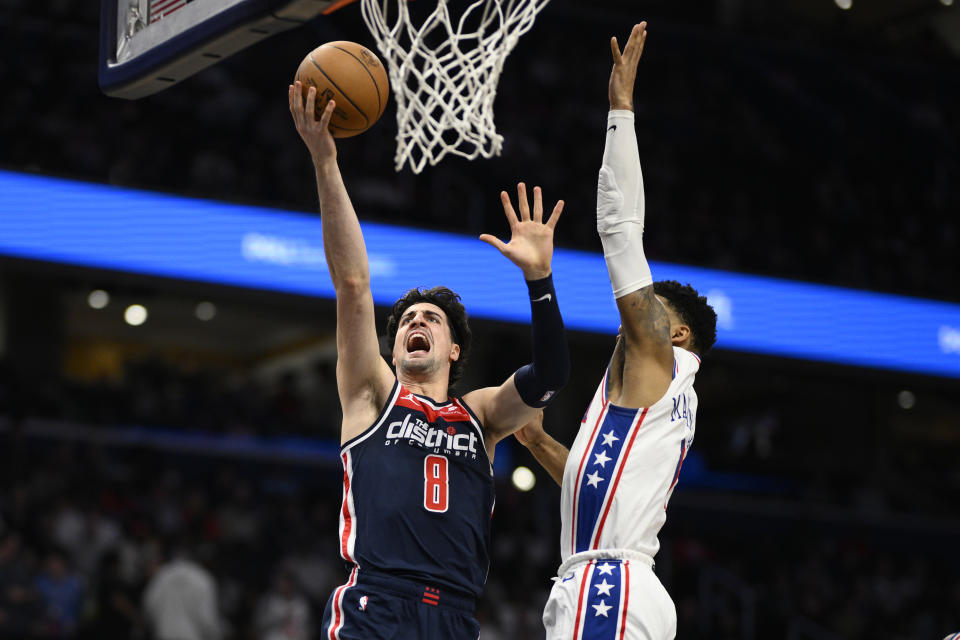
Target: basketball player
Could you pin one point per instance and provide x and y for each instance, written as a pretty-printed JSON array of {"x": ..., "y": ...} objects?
[
  {"x": 625, "y": 460},
  {"x": 418, "y": 487}
]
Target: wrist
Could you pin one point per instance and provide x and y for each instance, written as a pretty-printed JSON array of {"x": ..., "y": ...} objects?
[
  {"x": 325, "y": 164},
  {"x": 537, "y": 275}
]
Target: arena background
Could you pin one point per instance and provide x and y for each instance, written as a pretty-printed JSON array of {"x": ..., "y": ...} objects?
[{"x": 790, "y": 139}]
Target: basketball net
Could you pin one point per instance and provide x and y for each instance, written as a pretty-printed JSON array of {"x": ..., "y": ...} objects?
[{"x": 444, "y": 73}]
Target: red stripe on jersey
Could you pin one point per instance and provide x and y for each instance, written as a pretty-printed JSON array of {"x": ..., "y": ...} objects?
[
  {"x": 625, "y": 580},
  {"x": 576, "y": 485},
  {"x": 453, "y": 412},
  {"x": 586, "y": 578},
  {"x": 337, "y": 619},
  {"x": 623, "y": 463},
  {"x": 676, "y": 476},
  {"x": 345, "y": 511}
]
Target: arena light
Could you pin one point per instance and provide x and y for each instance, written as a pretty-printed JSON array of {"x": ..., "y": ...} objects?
[
  {"x": 906, "y": 399},
  {"x": 205, "y": 311},
  {"x": 135, "y": 315},
  {"x": 523, "y": 479},
  {"x": 946, "y": 3},
  {"x": 844, "y": 4},
  {"x": 98, "y": 299}
]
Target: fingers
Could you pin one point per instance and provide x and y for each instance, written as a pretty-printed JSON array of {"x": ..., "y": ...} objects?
[
  {"x": 494, "y": 242},
  {"x": 508, "y": 209},
  {"x": 555, "y": 215},
  {"x": 615, "y": 50},
  {"x": 537, "y": 205},
  {"x": 310, "y": 106},
  {"x": 522, "y": 203},
  {"x": 634, "y": 46},
  {"x": 327, "y": 112}
]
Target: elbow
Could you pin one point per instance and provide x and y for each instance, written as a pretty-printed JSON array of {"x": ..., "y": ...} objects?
[{"x": 350, "y": 284}]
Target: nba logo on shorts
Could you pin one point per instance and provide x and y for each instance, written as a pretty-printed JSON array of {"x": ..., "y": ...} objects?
[{"x": 363, "y": 603}]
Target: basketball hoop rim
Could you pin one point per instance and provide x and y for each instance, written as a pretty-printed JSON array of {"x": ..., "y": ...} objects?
[{"x": 340, "y": 4}]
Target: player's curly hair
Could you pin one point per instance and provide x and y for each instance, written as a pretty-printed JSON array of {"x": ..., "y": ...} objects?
[
  {"x": 456, "y": 316},
  {"x": 693, "y": 310}
]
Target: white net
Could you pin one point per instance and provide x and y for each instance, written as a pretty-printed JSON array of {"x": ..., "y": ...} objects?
[{"x": 444, "y": 71}]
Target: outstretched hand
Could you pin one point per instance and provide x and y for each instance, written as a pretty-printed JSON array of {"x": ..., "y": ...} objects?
[
  {"x": 531, "y": 239},
  {"x": 624, "y": 74},
  {"x": 315, "y": 133}
]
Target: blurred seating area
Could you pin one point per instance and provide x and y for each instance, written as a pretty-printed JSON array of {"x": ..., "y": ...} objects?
[{"x": 88, "y": 530}]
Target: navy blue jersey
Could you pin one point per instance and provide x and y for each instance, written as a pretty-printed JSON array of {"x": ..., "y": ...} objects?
[{"x": 418, "y": 494}]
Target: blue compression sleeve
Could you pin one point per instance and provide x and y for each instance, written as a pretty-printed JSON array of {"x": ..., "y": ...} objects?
[{"x": 540, "y": 380}]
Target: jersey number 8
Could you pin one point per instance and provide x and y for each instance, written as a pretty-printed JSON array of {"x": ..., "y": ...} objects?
[{"x": 435, "y": 483}]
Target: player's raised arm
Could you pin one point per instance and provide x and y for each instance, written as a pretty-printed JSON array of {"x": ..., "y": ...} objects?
[
  {"x": 646, "y": 348},
  {"x": 506, "y": 408},
  {"x": 363, "y": 377},
  {"x": 551, "y": 455}
]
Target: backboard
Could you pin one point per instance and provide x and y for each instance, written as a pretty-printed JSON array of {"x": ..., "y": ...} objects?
[{"x": 149, "y": 45}]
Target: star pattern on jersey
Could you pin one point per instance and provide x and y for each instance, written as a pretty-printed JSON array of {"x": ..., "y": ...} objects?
[
  {"x": 609, "y": 439},
  {"x": 601, "y": 608},
  {"x": 594, "y": 479},
  {"x": 603, "y": 589},
  {"x": 605, "y": 569},
  {"x": 601, "y": 459}
]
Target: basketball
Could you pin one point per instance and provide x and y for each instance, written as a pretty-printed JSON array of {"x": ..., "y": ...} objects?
[{"x": 354, "y": 78}]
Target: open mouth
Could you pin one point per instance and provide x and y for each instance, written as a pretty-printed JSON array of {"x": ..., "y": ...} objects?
[{"x": 418, "y": 343}]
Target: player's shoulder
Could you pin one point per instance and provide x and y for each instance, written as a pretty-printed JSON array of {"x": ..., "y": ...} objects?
[{"x": 685, "y": 362}]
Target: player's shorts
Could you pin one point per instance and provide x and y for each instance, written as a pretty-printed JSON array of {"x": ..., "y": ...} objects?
[
  {"x": 609, "y": 595},
  {"x": 375, "y": 606}
]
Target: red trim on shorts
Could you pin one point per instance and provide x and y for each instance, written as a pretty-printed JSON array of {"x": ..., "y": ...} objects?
[
  {"x": 625, "y": 578},
  {"x": 586, "y": 579},
  {"x": 345, "y": 510},
  {"x": 576, "y": 485},
  {"x": 336, "y": 618},
  {"x": 613, "y": 489}
]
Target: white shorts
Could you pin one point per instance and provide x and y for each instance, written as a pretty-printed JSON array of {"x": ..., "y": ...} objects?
[{"x": 615, "y": 598}]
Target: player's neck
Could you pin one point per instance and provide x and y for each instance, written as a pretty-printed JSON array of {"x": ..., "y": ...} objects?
[{"x": 434, "y": 389}]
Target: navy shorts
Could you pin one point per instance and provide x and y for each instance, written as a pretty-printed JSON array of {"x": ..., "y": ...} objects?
[{"x": 374, "y": 606}]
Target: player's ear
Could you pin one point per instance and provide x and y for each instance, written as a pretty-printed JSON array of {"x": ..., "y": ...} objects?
[
  {"x": 680, "y": 335},
  {"x": 455, "y": 352}
]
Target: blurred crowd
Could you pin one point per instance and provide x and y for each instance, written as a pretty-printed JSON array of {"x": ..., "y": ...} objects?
[
  {"x": 99, "y": 542},
  {"x": 827, "y": 156},
  {"x": 778, "y": 526}
]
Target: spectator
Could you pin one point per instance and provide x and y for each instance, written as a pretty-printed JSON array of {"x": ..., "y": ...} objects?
[
  {"x": 180, "y": 600},
  {"x": 283, "y": 613},
  {"x": 61, "y": 592}
]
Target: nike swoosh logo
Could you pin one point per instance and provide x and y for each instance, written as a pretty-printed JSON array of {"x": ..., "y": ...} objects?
[
  {"x": 612, "y": 127},
  {"x": 544, "y": 298},
  {"x": 567, "y": 578}
]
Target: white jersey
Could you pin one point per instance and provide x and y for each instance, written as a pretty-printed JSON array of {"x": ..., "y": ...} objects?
[{"x": 624, "y": 465}]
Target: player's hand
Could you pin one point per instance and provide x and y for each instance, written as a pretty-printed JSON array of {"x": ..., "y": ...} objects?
[
  {"x": 315, "y": 133},
  {"x": 531, "y": 433},
  {"x": 531, "y": 239},
  {"x": 624, "y": 74}
]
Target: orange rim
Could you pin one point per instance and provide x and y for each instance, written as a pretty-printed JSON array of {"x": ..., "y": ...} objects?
[{"x": 339, "y": 4}]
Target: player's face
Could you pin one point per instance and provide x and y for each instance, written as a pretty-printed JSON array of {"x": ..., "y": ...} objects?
[{"x": 424, "y": 343}]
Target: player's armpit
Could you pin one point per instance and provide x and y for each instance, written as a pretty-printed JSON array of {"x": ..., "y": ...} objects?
[{"x": 647, "y": 350}]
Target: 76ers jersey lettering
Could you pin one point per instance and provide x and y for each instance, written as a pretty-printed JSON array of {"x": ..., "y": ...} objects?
[
  {"x": 624, "y": 465},
  {"x": 418, "y": 494}
]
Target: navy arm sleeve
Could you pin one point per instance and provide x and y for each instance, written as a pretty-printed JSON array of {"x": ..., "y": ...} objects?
[{"x": 540, "y": 380}]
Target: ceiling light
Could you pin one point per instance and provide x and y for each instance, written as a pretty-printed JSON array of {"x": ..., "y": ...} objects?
[{"x": 135, "y": 315}]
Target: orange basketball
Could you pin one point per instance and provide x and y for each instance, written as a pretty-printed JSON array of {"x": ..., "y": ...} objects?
[{"x": 354, "y": 78}]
